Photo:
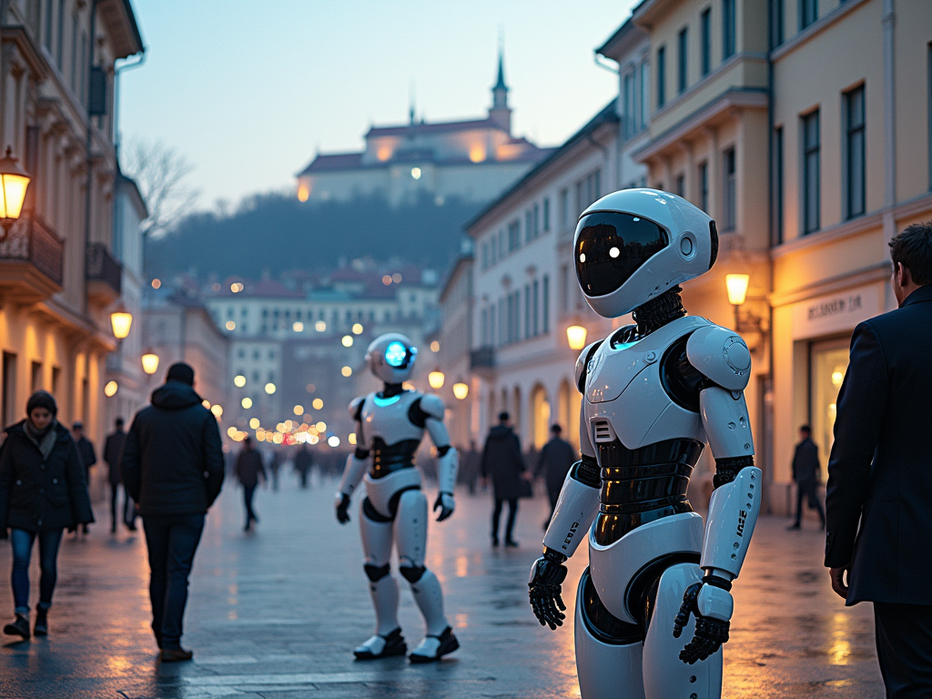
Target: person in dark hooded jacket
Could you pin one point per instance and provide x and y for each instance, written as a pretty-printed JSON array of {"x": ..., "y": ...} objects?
[
  {"x": 172, "y": 467},
  {"x": 502, "y": 460},
  {"x": 42, "y": 492}
]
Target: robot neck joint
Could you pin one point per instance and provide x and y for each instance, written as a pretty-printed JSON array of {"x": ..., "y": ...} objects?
[
  {"x": 659, "y": 311},
  {"x": 392, "y": 389}
]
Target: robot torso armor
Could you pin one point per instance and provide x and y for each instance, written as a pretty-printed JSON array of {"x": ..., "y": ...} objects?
[{"x": 391, "y": 429}]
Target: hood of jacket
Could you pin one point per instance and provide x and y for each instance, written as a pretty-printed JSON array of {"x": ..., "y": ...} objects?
[
  {"x": 500, "y": 432},
  {"x": 175, "y": 395}
]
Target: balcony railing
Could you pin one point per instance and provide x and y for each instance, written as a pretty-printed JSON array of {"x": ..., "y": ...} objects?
[
  {"x": 32, "y": 259},
  {"x": 482, "y": 358},
  {"x": 103, "y": 272}
]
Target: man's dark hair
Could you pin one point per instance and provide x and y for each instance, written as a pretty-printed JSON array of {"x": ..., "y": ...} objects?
[
  {"x": 805, "y": 428},
  {"x": 247, "y": 441},
  {"x": 913, "y": 249},
  {"x": 556, "y": 429},
  {"x": 119, "y": 422},
  {"x": 504, "y": 417}
]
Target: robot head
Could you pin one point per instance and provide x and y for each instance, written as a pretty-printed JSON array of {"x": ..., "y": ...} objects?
[
  {"x": 391, "y": 357},
  {"x": 635, "y": 244}
]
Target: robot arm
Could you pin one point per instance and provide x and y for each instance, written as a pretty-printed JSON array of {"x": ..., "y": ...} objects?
[
  {"x": 722, "y": 357},
  {"x": 572, "y": 517},
  {"x": 355, "y": 469},
  {"x": 448, "y": 463}
]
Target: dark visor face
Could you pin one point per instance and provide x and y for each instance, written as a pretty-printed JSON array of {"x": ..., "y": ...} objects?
[{"x": 611, "y": 247}]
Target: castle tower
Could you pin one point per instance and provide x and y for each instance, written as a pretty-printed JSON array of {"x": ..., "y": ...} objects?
[{"x": 500, "y": 113}]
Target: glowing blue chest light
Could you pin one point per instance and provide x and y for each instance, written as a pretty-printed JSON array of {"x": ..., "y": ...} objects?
[
  {"x": 624, "y": 345},
  {"x": 385, "y": 402}
]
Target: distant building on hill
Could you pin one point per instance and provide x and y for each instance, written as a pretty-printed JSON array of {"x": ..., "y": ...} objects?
[{"x": 475, "y": 159}]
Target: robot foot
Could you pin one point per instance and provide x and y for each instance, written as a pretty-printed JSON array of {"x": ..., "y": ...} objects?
[
  {"x": 435, "y": 647},
  {"x": 382, "y": 646}
]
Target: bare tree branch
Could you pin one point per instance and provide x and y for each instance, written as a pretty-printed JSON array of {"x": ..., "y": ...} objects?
[{"x": 160, "y": 172}]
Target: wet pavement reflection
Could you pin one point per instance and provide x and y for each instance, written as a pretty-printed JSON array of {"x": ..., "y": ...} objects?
[{"x": 276, "y": 613}]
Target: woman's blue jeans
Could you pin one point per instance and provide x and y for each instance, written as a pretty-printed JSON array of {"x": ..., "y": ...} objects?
[{"x": 22, "y": 541}]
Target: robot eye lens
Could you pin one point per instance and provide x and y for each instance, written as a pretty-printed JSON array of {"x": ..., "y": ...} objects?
[
  {"x": 611, "y": 247},
  {"x": 396, "y": 355}
]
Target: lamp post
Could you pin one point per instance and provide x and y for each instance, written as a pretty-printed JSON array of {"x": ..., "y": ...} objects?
[
  {"x": 121, "y": 321},
  {"x": 13, "y": 183},
  {"x": 576, "y": 337}
]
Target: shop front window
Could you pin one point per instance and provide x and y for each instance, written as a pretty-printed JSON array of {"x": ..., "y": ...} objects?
[{"x": 829, "y": 362}]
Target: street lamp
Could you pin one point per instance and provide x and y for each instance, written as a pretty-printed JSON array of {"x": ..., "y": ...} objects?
[
  {"x": 737, "y": 287},
  {"x": 435, "y": 379},
  {"x": 121, "y": 321},
  {"x": 576, "y": 337},
  {"x": 13, "y": 183},
  {"x": 150, "y": 363},
  {"x": 460, "y": 390}
]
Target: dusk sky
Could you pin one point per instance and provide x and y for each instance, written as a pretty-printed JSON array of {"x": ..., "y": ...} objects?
[{"x": 248, "y": 92}]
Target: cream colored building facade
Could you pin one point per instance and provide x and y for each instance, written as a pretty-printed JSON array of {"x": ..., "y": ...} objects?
[{"x": 59, "y": 280}]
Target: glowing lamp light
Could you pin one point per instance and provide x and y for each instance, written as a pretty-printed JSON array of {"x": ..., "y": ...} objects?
[
  {"x": 576, "y": 337},
  {"x": 334, "y": 441},
  {"x": 396, "y": 277},
  {"x": 460, "y": 390},
  {"x": 737, "y": 287},
  {"x": 435, "y": 379},
  {"x": 352, "y": 438},
  {"x": 303, "y": 192},
  {"x": 246, "y": 403},
  {"x": 408, "y": 386},
  {"x": 111, "y": 389},
  {"x": 230, "y": 325},
  {"x": 837, "y": 377},
  {"x": 270, "y": 388},
  {"x": 239, "y": 380},
  {"x": 206, "y": 403},
  {"x": 347, "y": 371},
  {"x": 298, "y": 327},
  {"x": 347, "y": 340},
  {"x": 216, "y": 410},
  {"x": 320, "y": 326},
  {"x": 121, "y": 321},
  {"x": 150, "y": 363},
  {"x": 416, "y": 173},
  {"x": 254, "y": 423},
  {"x": 357, "y": 328},
  {"x": 299, "y": 410},
  {"x": 13, "y": 183},
  {"x": 435, "y": 346},
  {"x": 231, "y": 431},
  {"x": 318, "y": 404}
]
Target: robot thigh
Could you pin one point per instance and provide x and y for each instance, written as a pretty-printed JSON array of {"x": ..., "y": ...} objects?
[
  {"x": 411, "y": 530},
  {"x": 665, "y": 675},
  {"x": 608, "y": 650}
]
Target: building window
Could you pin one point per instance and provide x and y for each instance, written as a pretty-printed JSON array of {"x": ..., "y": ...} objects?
[
  {"x": 776, "y": 23},
  {"x": 661, "y": 77},
  {"x": 48, "y": 29},
  {"x": 627, "y": 96},
  {"x": 536, "y": 218},
  {"x": 74, "y": 53},
  {"x": 808, "y": 13},
  {"x": 729, "y": 194},
  {"x": 514, "y": 235},
  {"x": 683, "y": 44},
  {"x": 527, "y": 312},
  {"x": 728, "y": 29},
  {"x": 811, "y": 178},
  {"x": 546, "y": 304},
  {"x": 492, "y": 326},
  {"x": 528, "y": 226},
  {"x": 564, "y": 289},
  {"x": 704, "y": 186},
  {"x": 645, "y": 94},
  {"x": 546, "y": 214},
  {"x": 241, "y": 353},
  {"x": 60, "y": 45},
  {"x": 564, "y": 207},
  {"x": 854, "y": 152},
  {"x": 705, "y": 20},
  {"x": 778, "y": 185},
  {"x": 535, "y": 310},
  {"x": 680, "y": 186}
]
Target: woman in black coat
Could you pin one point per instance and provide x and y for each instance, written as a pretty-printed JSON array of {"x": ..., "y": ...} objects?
[{"x": 43, "y": 491}]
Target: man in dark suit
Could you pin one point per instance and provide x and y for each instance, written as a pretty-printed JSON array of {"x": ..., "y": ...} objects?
[
  {"x": 556, "y": 458},
  {"x": 880, "y": 473},
  {"x": 806, "y": 474}
]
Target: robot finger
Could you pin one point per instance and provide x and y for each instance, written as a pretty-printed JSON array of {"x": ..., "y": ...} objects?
[{"x": 558, "y": 598}]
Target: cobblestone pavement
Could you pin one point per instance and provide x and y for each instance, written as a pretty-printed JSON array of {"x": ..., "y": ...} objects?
[{"x": 275, "y": 614}]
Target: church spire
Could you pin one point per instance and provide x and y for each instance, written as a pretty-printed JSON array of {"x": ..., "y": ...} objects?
[{"x": 500, "y": 112}]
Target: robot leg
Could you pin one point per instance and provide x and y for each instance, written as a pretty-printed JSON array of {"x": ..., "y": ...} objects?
[
  {"x": 608, "y": 650},
  {"x": 665, "y": 675},
  {"x": 377, "y": 544},
  {"x": 411, "y": 532}
]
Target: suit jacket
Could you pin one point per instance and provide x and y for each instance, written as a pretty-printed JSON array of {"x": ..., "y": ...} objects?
[{"x": 880, "y": 470}]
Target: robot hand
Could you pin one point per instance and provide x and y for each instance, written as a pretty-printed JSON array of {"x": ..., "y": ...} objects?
[
  {"x": 547, "y": 576},
  {"x": 446, "y": 504},
  {"x": 713, "y": 605},
  {"x": 342, "y": 505}
]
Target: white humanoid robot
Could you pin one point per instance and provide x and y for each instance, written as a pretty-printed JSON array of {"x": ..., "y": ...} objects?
[
  {"x": 653, "y": 394},
  {"x": 390, "y": 426}
]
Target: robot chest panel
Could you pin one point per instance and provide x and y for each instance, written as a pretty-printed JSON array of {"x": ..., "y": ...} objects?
[
  {"x": 388, "y": 418},
  {"x": 626, "y": 396}
]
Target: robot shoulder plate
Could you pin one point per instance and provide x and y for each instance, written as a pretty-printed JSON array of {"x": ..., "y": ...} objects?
[
  {"x": 721, "y": 355},
  {"x": 432, "y": 405},
  {"x": 582, "y": 362},
  {"x": 355, "y": 408}
]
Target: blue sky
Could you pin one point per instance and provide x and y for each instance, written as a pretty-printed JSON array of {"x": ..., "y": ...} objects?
[{"x": 249, "y": 91}]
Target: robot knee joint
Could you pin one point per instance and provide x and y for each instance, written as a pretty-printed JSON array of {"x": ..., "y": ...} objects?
[
  {"x": 376, "y": 573},
  {"x": 412, "y": 573}
]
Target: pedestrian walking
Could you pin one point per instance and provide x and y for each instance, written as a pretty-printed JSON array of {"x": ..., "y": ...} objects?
[
  {"x": 113, "y": 451},
  {"x": 275, "y": 466},
  {"x": 249, "y": 470},
  {"x": 303, "y": 461},
  {"x": 43, "y": 491},
  {"x": 469, "y": 467},
  {"x": 172, "y": 467},
  {"x": 87, "y": 454},
  {"x": 878, "y": 511},
  {"x": 556, "y": 458},
  {"x": 502, "y": 462},
  {"x": 806, "y": 474}
]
